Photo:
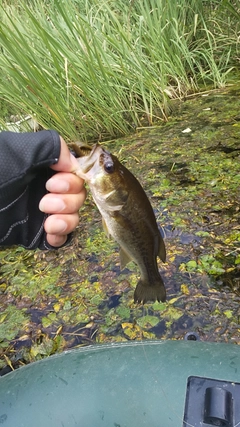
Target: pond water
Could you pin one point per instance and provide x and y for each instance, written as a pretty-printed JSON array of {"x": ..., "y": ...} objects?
[{"x": 190, "y": 169}]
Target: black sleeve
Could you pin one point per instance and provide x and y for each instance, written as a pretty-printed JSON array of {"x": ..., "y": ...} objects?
[{"x": 24, "y": 170}]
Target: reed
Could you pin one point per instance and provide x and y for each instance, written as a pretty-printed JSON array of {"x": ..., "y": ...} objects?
[{"x": 96, "y": 69}]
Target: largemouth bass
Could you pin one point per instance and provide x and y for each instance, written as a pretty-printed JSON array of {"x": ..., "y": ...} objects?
[{"x": 127, "y": 216}]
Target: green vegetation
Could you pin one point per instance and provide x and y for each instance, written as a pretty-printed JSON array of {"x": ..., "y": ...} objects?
[
  {"x": 55, "y": 300},
  {"x": 96, "y": 69}
]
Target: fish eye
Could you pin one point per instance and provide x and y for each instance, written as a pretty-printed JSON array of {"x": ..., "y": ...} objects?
[{"x": 109, "y": 167}]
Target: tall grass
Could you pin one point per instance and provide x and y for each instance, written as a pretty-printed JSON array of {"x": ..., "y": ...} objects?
[{"x": 99, "y": 68}]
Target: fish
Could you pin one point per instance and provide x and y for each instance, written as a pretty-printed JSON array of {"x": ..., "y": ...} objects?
[{"x": 127, "y": 217}]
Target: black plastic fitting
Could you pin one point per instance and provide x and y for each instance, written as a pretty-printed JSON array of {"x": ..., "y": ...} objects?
[
  {"x": 211, "y": 402},
  {"x": 218, "y": 407}
]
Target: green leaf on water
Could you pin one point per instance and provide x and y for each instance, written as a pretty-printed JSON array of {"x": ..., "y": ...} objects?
[
  {"x": 158, "y": 306},
  {"x": 45, "y": 348},
  {"x": 202, "y": 233},
  {"x": 146, "y": 321},
  {"x": 191, "y": 265},
  {"x": 237, "y": 260},
  {"x": 96, "y": 299},
  {"x": 12, "y": 321},
  {"x": 173, "y": 313},
  {"x": 228, "y": 314},
  {"x": 123, "y": 312},
  {"x": 48, "y": 320},
  {"x": 67, "y": 305}
]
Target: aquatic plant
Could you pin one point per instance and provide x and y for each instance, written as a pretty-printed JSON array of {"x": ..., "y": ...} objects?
[{"x": 97, "y": 69}]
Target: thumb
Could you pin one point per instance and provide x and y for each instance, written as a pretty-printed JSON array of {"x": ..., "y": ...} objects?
[{"x": 66, "y": 161}]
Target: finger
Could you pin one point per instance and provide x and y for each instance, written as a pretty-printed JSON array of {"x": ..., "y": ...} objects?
[
  {"x": 66, "y": 161},
  {"x": 65, "y": 182},
  {"x": 53, "y": 203},
  {"x": 56, "y": 240},
  {"x": 61, "y": 225}
]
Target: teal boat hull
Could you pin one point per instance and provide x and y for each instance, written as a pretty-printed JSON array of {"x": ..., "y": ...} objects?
[{"x": 130, "y": 384}]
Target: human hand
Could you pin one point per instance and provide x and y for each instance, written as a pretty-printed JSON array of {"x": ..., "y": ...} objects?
[{"x": 66, "y": 196}]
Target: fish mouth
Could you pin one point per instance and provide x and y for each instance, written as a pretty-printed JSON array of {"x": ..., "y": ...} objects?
[{"x": 87, "y": 162}]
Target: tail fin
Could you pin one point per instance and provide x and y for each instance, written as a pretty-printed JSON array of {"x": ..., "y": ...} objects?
[{"x": 150, "y": 292}]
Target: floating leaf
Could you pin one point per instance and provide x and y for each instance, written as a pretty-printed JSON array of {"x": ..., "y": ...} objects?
[
  {"x": 82, "y": 318},
  {"x": 202, "y": 233},
  {"x": 189, "y": 266},
  {"x": 173, "y": 313},
  {"x": 158, "y": 306},
  {"x": 173, "y": 300},
  {"x": 67, "y": 305},
  {"x": 12, "y": 321},
  {"x": 228, "y": 314},
  {"x": 123, "y": 312},
  {"x": 3, "y": 316},
  {"x": 48, "y": 320},
  {"x": 148, "y": 335},
  {"x": 184, "y": 289},
  {"x": 133, "y": 331},
  {"x": 45, "y": 348},
  {"x": 147, "y": 321},
  {"x": 57, "y": 307},
  {"x": 211, "y": 265}
]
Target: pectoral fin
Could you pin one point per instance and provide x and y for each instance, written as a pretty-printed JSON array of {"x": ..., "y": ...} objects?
[
  {"x": 116, "y": 198},
  {"x": 124, "y": 258}
]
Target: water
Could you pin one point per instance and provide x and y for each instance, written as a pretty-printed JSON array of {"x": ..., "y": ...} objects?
[{"x": 192, "y": 180}]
